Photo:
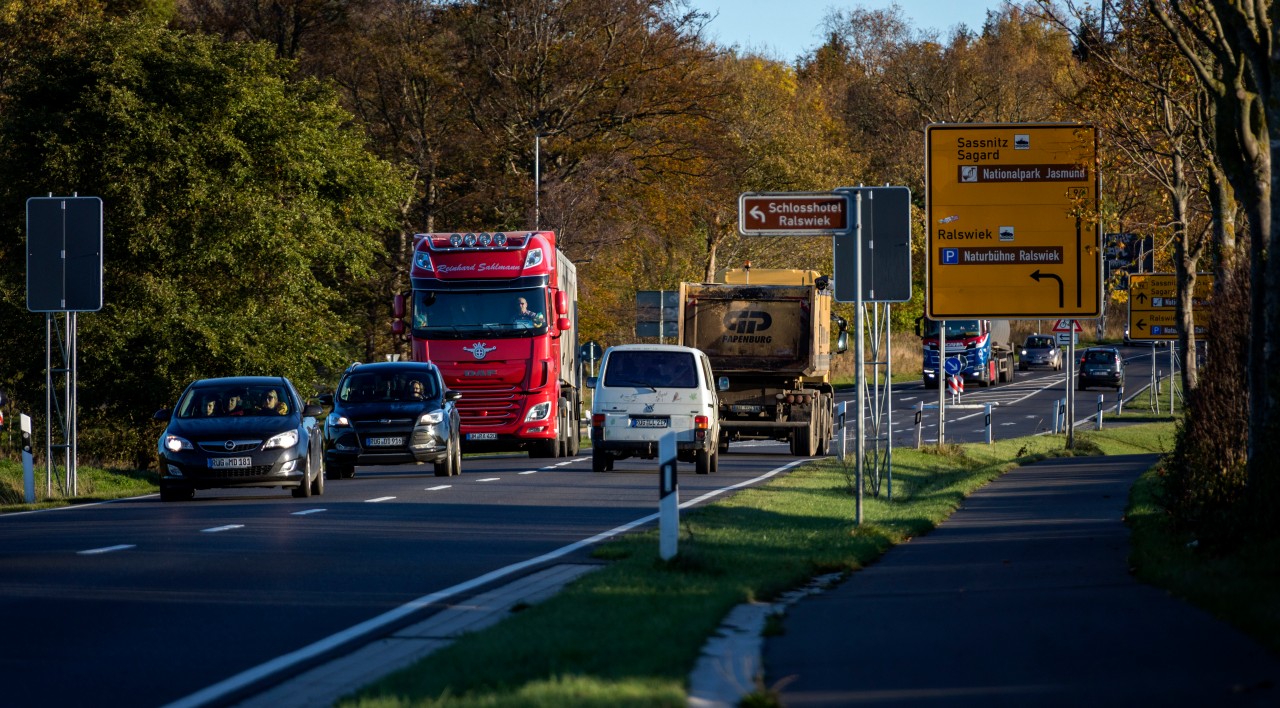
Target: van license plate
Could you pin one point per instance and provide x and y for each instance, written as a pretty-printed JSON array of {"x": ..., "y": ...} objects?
[
  {"x": 230, "y": 463},
  {"x": 650, "y": 423},
  {"x": 383, "y": 442},
  {"x": 482, "y": 436}
]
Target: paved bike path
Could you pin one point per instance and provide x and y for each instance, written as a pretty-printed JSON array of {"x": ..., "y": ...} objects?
[{"x": 1023, "y": 597}]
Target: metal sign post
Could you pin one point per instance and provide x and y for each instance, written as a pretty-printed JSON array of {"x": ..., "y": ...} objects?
[{"x": 64, "y": 274}]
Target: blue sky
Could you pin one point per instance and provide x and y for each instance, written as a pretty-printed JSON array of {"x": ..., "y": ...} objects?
[{"x": 784, "y": 29}]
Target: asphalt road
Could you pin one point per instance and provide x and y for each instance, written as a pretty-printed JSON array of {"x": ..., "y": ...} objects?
[
  {"x": 1022, "y": 407},
  {"x": 144, "y": 603},
  {"x": 140, "y": 603}
]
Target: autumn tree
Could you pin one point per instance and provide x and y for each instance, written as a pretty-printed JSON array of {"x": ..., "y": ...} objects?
[{"x": 238, "y": 205}]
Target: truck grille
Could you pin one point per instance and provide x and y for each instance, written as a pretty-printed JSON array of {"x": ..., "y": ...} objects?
[{"x": 483, "y": 408}]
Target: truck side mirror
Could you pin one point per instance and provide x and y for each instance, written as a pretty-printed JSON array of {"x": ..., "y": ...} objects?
[
  {"x": 562, "y": 303},
  {"x": 591, "y": 381},
  {"x": 397, "y": 306},
  {"x": 842, "y": 343},
  {"x": 722, "y": 383},
  {"x": 563, "y": 324}
]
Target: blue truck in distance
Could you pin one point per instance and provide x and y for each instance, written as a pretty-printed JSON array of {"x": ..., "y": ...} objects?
[{"x": 983, "y": 350}]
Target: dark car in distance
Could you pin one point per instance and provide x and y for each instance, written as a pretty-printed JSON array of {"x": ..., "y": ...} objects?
[
  {"x": 1100, "y": 366},
  {"x": 246, "y": 431},
  {"x": 392, "y": 413}
]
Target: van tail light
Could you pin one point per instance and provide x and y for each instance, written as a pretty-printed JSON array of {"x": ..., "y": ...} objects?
[
  {"x": 597, "y": 420},
  {"x": 701, "y": 422}
]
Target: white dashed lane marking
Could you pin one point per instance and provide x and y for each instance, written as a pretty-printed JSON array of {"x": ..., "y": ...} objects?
[
  {"x": 379, "y": 499},
  {"x": 220, "y": 529},
  {"x": 304, "y": 512},
  {"x": 105, "y": 549},
  {"x": 490, "y": 479},
  {"x": 438, "y": 487}
]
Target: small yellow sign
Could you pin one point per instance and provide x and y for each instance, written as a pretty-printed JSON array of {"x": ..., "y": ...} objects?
[{"x": 1012, "y": 221}]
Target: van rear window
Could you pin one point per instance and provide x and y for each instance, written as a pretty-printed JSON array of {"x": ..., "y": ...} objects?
[{"x": 651, "y": 368}]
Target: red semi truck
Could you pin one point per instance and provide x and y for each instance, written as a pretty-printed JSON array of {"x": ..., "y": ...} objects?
[{"x": 497, "y": 312}]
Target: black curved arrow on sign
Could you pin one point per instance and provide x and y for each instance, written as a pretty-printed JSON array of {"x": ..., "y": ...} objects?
[{"x": 1036, "y": 276}]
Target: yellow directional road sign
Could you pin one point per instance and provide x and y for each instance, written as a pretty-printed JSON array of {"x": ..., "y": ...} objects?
[
  {"x": 1012, "y": 221},
  {"x": 1153, "y": 303}
]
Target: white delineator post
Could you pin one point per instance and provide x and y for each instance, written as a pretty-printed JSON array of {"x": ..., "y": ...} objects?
[{"x": 668, "y": 498}]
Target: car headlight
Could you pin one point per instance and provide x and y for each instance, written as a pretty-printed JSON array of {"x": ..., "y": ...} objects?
[
  {"x": 432, "y": 418},
  {"x": 539, "y": 412},
  {"x": 288, "y": 439},
  {"x": 173, "y": 443},
  {"x": 337, "y": 421}
]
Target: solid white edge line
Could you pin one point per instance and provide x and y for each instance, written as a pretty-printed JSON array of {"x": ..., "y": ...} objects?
[
  {"x": 221, "y": 689},
  {"x": 105, "y": 549}
]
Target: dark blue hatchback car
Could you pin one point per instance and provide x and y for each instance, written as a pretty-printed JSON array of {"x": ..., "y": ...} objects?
[
  {"x": 1100, "y": 366},
  {"x": 246, "y": 431}
]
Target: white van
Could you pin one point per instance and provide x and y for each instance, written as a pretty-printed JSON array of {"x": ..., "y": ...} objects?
[{"x": 647, "y": 390}]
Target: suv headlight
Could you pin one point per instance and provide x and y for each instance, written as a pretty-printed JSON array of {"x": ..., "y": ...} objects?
[
  {"x": 337, "y": 421},
  {"x": 432, "y": 418},
  {"x": 288, "y": 439},
  {"x": 538, "y": 412},
  {"x": 173, "y": 443}
]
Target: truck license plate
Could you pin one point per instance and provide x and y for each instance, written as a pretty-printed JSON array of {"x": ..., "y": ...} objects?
[
  {"x": 230, "y": 463},
  {"x": 482, "y": 436},
  {"x": 383, "y": 442},
  {"x": 650, "y": 423}
]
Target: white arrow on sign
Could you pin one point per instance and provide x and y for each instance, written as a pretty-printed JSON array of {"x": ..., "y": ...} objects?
[{"x": 755, "y": 212}]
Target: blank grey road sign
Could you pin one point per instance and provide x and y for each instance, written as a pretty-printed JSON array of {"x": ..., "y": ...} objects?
[
  {"x": 64, "y": 254},
  {"x": 886, "y": 246}
]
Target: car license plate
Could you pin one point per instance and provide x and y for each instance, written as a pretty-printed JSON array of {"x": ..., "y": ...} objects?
[
  {"x": 229, "y": 463},
  {"x": 482, "y": 436},
  {"x": 383, "y": 442},
  {"x": 650, "y": 423}
]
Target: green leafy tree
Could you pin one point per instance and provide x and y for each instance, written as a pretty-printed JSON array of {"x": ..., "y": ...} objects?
[{"x": 238, "y": 204}]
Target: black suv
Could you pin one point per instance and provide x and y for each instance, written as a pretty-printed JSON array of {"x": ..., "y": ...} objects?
[
  {"x": 1100, "y": 366},
  {"x": 392, "y": 413}
]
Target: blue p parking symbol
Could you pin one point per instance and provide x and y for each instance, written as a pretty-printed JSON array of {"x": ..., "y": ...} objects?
[{"x": 950, "y": 256}]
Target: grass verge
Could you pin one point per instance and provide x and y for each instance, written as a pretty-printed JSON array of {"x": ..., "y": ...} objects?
[
  {"x": 1241, "y": 587},
  {"x": 629, "y": 634},
  {"x": 94, "y": 484}
]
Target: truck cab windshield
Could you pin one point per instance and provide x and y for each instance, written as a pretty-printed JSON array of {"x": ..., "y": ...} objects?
[
  {"x": 956, "y": 329},
  {"x": 445, "y": 314}
]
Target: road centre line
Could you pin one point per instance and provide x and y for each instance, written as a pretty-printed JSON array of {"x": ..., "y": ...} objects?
[
  {"x": 438, "y": 487},
  {"x": 228, "y": 686},
  {"x": 304, "y": 512},
  {"x": 490, "y": 479},
  {"x": 529, "y": 472},
  {"x": 220, "y": 529},
  {"x": 105, "y": 549},
  {"x": 379, "y": 499}
]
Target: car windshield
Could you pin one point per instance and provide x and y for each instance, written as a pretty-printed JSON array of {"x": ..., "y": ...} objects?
[
  {"x": 229, "y": 401},
  {"x": 388, "y": 386},
  {"x": 1040, "y": 342},
  {"x": 445, "y": 314},
  {"x": 654, "y": 369},
  {"x": 955, "y": 328}
]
